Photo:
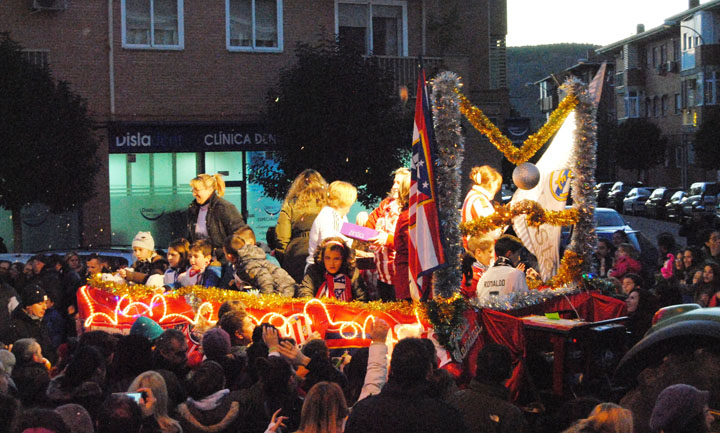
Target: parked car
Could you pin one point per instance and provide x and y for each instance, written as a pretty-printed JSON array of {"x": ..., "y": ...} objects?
[
  {"x": 607, "y": 222},
  {"x": 673, "y": 208},
  {"x": 601, "y": 192},
  {"x": 634, "y": 201},
  {"x": 702, "y": 197},
  {"x": 618, "y": 192},
  {"x": 655, "y": 204},
  {"x": 506, "y": 193}
]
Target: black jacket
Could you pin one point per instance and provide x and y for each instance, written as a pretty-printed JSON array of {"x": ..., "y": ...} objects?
[
  {"x": 24, "y": 326},
  {"x": 404, "y": 410},
  {"x": 487, "y": 407},
  {"x": 222, "y": 220}
]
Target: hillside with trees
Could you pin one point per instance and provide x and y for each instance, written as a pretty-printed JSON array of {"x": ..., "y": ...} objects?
[{"x": 528, "y": 64}]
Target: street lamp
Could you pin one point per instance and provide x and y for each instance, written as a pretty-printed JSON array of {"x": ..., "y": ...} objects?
[{"x": 684, "y": 149}]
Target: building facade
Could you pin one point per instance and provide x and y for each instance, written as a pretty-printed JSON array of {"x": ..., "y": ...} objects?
[
  {"x": 178, "y": 88},
  {"x": 668, "y": 75}
]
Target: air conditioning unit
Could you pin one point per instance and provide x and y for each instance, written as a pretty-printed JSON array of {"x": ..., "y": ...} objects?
[
  {"x": 49, "y": 5},
  {"x": 671, "y": 66},
  {"x": 661, "y": 69}
]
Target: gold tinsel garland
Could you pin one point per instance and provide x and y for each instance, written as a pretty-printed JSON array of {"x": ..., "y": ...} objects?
[
  {"x": 533, "y": 211},
  {"x": 532, "y": 144},
  {"x": 570, "y": 270},
  {"x": 250, "y": 299}
]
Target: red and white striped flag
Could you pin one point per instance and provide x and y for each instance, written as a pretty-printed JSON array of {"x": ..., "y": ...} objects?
[{"x": 425, "y": 247}]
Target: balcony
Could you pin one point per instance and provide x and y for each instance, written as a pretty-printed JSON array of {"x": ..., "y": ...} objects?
[
  {"x": 708, "y": 55},
  {"x": 634, "y": 77},
  {"x": 689, "y": 117},
  {"x": 405, "y": 71}
]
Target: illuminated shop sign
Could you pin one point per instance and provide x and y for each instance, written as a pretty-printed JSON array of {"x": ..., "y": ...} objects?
[{"x": 159, "y": 137}]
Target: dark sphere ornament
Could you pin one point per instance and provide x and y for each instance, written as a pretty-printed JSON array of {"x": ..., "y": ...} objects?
[{"x": 526, "y": 175}]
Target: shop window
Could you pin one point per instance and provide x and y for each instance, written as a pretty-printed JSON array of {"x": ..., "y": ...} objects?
[
  {"x": 375, "y": 27},
  {"x": 254, "y": 25},
  {"x": 154, "y": 24}
]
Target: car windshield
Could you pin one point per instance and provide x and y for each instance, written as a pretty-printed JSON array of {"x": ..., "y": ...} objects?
[
  {"x": 608, "y": 218},
  {"x": 677, "y": 196},
  {"x": 695, "y": 190},
  {"x": 658, "y": 193}
]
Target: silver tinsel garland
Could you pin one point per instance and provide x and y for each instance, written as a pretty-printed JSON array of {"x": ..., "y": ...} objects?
[
  {"x": 582, "y": 182},
  {"x": 450, "y": 148},
  {"x": 514, "y": 301}
]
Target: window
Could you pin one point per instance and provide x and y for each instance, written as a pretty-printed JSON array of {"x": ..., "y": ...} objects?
[
  {"x": 676, "y": 50},
  {"x": 376, "y": 27},
  {"x": 678, "y": 103},
  {"x": 254, "y": 25},
  {"x": 663, "y": 54},
  {"x": 155, "y": 24},
  {"x": 655, "y": 56},
  {"x": 632, "y": 105},
  {"x": 711, "y": 91},
  {"x": 664, "y": 105},
  {"x": 37, "y": 58},
  {"x": 656, "y": 108},
  {"x": 498, "y": 62},
  {"x": 648, "y": 107}
]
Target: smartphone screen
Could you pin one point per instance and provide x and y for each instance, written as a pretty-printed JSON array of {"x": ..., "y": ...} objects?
[{"x": 133, "y": 395}]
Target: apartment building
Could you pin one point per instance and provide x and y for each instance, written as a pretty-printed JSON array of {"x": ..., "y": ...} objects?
[
  {"x": 668, "y": 75},
  {"x": 178, "y": 87}
]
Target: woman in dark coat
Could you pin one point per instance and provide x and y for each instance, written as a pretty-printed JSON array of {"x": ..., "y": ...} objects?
[
  {"x": 304, "y": 200},
  {"x": 210, "y": 216}
]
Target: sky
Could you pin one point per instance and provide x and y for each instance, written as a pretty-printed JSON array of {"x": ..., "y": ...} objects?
[{"x": 601, "y": 22}]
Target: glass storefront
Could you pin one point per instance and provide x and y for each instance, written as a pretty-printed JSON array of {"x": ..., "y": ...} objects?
[{"x": 151, "y": 192}]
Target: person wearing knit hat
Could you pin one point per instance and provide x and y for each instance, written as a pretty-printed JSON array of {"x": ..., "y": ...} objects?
[
  {"x": 26, "y": 320},
  {"x": 681, "y": 409},
  {"x": 216, "y": 344},
  {"x": 146, "y": 327},
  {"x": 147, "y": 263},
  {"x": 32, "y": 295},
  {"x": 76, "y": 417},
  {"x": 143, "y": 240}
]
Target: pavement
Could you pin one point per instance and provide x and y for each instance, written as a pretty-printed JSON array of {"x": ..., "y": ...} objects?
[{"x": 651, "y": 228}]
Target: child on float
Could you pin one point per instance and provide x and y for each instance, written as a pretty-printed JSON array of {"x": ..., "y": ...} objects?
[
  {"x": 251, "y": 268},
  {"x": 330, "y": 276},
  {"x": 203, "y": 270},
  {"x": 178, "y": 257},
  {"x": 341, "y": 196},
  {"x": 147, "y": 262},
  {"x": 482, "y": 249}
]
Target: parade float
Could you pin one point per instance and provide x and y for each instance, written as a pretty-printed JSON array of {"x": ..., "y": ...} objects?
[{"x": 459, "y": 327}]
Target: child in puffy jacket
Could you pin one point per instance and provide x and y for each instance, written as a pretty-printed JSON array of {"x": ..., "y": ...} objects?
[
  {"x": 252, "y": 268},
  {"x": 626, "y": 261}
]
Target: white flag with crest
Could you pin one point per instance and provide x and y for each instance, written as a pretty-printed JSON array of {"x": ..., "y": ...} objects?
[{"x": 551, "y": 193}]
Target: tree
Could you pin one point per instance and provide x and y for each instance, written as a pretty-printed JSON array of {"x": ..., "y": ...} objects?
[
  {"x": 337, "y": 112},
  {"x": 639, "y": 145},
  {"x": 707, "y": 141},
  {"x": 46, "y": 139}
]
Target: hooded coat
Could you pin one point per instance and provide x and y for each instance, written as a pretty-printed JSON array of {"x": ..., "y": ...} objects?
[{"x": 253, "y": 268}]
